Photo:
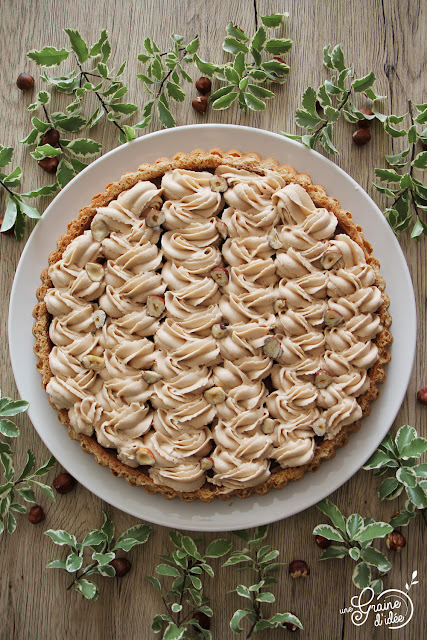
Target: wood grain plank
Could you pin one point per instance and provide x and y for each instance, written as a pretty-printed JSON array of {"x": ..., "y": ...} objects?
[{"x": 386, "y": 35}]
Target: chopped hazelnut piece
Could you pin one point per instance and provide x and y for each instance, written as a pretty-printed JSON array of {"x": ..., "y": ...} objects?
[
  {"x": 272, "y": 348},
  {"x": 151, "y": 377},
  {"x": 218, "y": 184},
  {"x": 154, "y": 217},
  {"x": 206, "y": 464},
  {"x": 99, "y": 317},
  {"x": 332, "y": 318},
  {"x": 99, "y": 229},
  {"x": 145, "y": 456},
  {"x": 330, "y": 258},
  {"x": 222, "y": 229},
  {"x": 267, "y": 426},
  {"x": 219, "y": 331},
  {"x": 95, "y": 363},
  {"x": 279, "y": 305},
  {"x": 95, "y": 271},
  {"x": 323, "y": 379},
  {"x": 274, "y": 240},
  {"x": 214, "y": 395},
  {"x": 319, "y": 426},
  {"x": 220, "y": 275},
  {"x": 155, "y": 306}
]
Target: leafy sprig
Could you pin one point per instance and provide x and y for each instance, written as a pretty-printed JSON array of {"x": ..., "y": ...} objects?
[
  {"x": 102, "y": 548},
  {"x": 255, "y": 60},
  {"x": 261, "y": 559},
  {"x": 163, "y": 76},
  {"x": 184, "y": 600},
  {"x": 356, "y": 535},
  {"x": 401, "y": 457},
  {"x": 91, "y": 75},
  {"x": 323, "y": 107},
  {"x": 16, "y": 210},
  {"x": 408, "y": 193}
]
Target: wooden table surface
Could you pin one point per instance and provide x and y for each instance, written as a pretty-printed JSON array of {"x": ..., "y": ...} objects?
[{"x": 387, "y": 36}]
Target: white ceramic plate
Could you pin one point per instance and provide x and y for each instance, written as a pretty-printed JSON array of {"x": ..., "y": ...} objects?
[{"x": 236, "y": 513}]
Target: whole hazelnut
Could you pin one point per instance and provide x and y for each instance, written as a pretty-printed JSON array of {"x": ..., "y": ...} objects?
[
  {"x": 64, "y": 483},
  {"x": 121, "y": 565},
  {"x": 364, "y": 123},
  {"x": 422, "y": 395},
  {"x": 36, "y": 514},
  {"x": 395, "y": 540},
  {"x": 203, "y": 620},
  {"x": 361, "y": 137},
  {"x": 203, "y": 85},
  {"x": 49, "y": 165},
  {"x": 299, "y": 569},
  {"x": 51, "y": 137},
  {"x": 25, "y": 82},
  {"x": 9, "y": 232},
  {"x": 322, "y": 542},
  {"x": 200, "y": 104}
]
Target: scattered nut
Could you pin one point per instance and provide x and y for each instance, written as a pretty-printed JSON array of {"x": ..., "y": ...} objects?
[
  {"x": 99, "y": 229},
  {"x": 267, "y": 426},
  {"x": 154, "y": 217},
  {"x": 364, "y": 123},
  {"x": 220, "y": 275},
  {"x": 95, "y": 363},
  {"x": 319, "y": 426},
  {"x": 279, "y": 305},
  {"x": 395, "y": 540},
  {"x": 422, "y": 395},
  {"x": 151, "y": 377},
  {"x": 274, "y": 240},
  {"x": 323, "y": 379},
  {"x": 330, "y": 258},
  {"x": 99, "y": 317},
  {"x": 322, "y": 542},
  {"x": 25, "y": 82},
  {"x": 64, "y": 483},
  {"x": 50, "y": 165},
  {"x": 155, "y": 306},
  {"x": 203, "y": 85},
  {"x": 51, "y": 137},
  {"x": 218, "y": 184},
  {"x": 145, "y": 456},
  {"x": 214, "y": 395},
  {"x": 200, "y": 104},
  {"x": 222, "y": 229},
  {"x": 299, "y": 569},
  {"x": 95, "y": 271},
  {"x": 121, "y": 565},
  {"x": 36, "y": 514},
  {"x": 361, "y": 137},
  {"x": 206, "y": 464},
  {"x": 272, "y": 348},
  {"x": 203, "y": 620},
  {"x": 332, "y": 318},
  {"x": 219, "y": 331}
]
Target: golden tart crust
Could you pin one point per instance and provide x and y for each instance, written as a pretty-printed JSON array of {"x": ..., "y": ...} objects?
[{"x": 199, "y": 160}]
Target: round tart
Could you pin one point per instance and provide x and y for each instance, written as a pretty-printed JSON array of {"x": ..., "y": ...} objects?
[{"x": 212, "y": 325}]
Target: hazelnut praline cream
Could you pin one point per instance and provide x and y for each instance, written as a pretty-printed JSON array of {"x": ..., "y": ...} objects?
[{"x": 220, "y": 407}]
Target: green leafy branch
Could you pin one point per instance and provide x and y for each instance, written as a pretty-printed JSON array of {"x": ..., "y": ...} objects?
[
  {"x": 402, "y": 458},
  {"x": 356, "y": 535},
  {"x": 261, "y": 559},
  {"x": 16, "y": 210},
  {"x": 243, "y": 76},
  {"x": 188, "y": 610},
  {"x": 163, "y": 75},
  {"x": 324, "y": 106},
  {"x": 23, "y": 483},
  {"x": 409, "y": 194},
  {"x": 102, "y": 547}
]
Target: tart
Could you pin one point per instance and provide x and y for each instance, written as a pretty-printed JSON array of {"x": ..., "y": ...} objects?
[{"x": 212, "y": 325}]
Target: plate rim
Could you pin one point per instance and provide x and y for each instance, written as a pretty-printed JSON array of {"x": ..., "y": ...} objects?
[{"x": 122, "y": 150}]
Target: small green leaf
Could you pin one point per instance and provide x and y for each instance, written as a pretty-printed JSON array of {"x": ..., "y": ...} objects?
[
  {"x": 218, "y": 548},
  {"x": 273, "y": 20},
  {"x": 73, "y": 562},
  {"x": 404, "y": 436},
  {"x": 68, "y": 123},
  {"x": 138, "y": 534},
  {"x": 78, "y": 45},
  {"x": 175, "y": 92},
  {"x": 6, "y": 154},
  {"x": 327, "y": 60},
  {"x": 376, "y": 558},
  {"x": 259, "y": 39},
  {"x": 243, "y": 591},
  {"x": 354, "y": 524},
  {"x": 193, "y": 46},
  {"x": 309, "y": 100},
  {"x": 56, "y": 564},
  {"x": 86, "y": 588},
  {"x": 377, "y": 460},
  {"x": 361, "y": 575},
  {"x": 224, "y": 101},
  {"x": 96, "y": 48},
  {"x": 65, "y": 173},
  {"x": 5, "y": 489},
  {"x": 234, "y": 31},
  {"x": 387, "y": 488},
  {"x": 362, "y": 84},
  {"x": 338, "y": 58},
  {"x": 333, "y": 552},
  {"x": 94, "y": 538},
  {"x": 236, "y": 619},
  {"x": 61, "y": 537},
  {"x": 331, "y": 113},
  {"x": 421, "y": 470},
  {"x": 253, "y": 102},
  {"x": 278, "y": 46},
  {"x": 103, "y": 558},
  {"x": 26, "y": 493},
  {"x": 232, "y": 45},
  {"x": 407, "y": 476},
  {"x": 354, "y": 553},
  {"x": 166, "y": 570},
  {"x": 173, "y": 632},
  {"x": 11, "y": 522},
  {"x": 414, "y": 449},
  {"x": 7, "y": 427},
  {"x": 155, "y": 582},
  {"x": 45, "y": 468},
  {"x": 374, "y": 530},
  {"x": 305, "y": 119},
  {"x": 84, "y": 147},
  {"x": 29, "y": 465},
  {"x": 46, "y": 489},
  {"x": 377, "y": 586},
  {"x": 165, "y": 116},
  {"x": 328, "y": 532},
  {"x": 417, "y": 496},
  {"x": 267, "y": 596},
  {"x": 48, "y": 57},
  {"x": 333, "y": 513}
]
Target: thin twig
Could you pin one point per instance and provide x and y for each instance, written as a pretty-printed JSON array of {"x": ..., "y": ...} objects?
[
  {"x": 77, "y": 576},
  {"x": 7, "y": 188}
]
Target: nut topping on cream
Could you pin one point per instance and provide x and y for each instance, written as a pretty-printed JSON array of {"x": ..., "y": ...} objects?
[{"x": 163, "y": 353}]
